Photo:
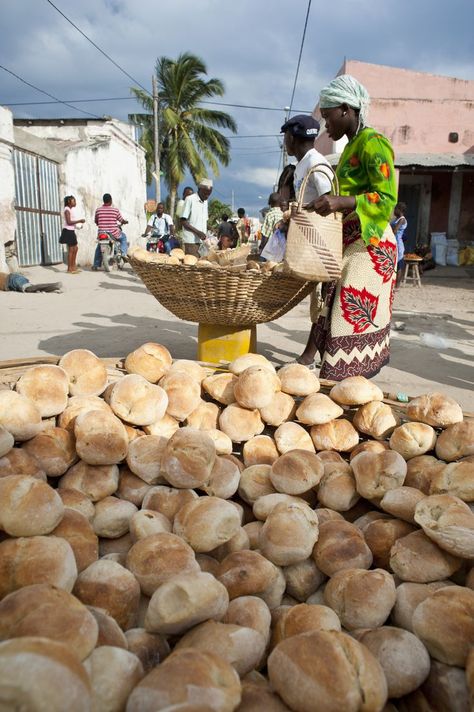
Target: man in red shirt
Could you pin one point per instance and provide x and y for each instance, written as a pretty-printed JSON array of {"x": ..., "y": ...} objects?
[{"x": 109, "y": 219}]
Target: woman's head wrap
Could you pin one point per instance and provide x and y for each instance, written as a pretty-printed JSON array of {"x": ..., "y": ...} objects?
[{"x": 346, "y": 90}]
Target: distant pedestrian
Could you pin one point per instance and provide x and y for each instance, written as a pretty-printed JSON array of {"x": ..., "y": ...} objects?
[
  {"x": 109, "y": 219},
  {"x": 243, "y": 226},
  {"x": 68, "y": 234},
  {"x": 272, "y": 218},
  {"x": 161, "y": 226},
  {"x": 399, "y": 225},
  {"x": 194, "y": 218},
  {"x": 227, "y": 229}
]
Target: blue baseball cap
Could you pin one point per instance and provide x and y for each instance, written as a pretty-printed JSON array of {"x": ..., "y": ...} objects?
[{"x": 301, "y": 125}]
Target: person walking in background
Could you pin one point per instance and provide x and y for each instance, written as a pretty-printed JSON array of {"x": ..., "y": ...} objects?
[
  {"x": 227, "y": 229},
  {"x": 353, "y": 331},
  {"x": 194, "y": 218},
  {"x": 243, "y": 226},
  {"x": 109, "y": 219},
  {"x": 399, "y": 225},
  {"x": 68, "y": 234},
  {"x": 272, "y": 218}
]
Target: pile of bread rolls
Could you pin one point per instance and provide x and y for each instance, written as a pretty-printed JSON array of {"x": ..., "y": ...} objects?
[
  {"x": 181, "y": 539},
  {"x": 178, "y": 257}
]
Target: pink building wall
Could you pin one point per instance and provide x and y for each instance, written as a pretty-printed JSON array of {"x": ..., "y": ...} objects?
[{"x": 415, "y": 110}]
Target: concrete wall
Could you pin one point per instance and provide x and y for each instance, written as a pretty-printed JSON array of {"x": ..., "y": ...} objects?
[{"x": 7, "y": 183}]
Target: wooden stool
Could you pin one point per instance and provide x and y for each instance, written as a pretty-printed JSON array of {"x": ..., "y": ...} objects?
[{"x": 411, "y": 273}]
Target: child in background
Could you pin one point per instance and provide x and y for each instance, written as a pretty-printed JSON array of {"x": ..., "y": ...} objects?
[
  {"x": 272, "y": 218},
  {"x": 399, "y": 225}
]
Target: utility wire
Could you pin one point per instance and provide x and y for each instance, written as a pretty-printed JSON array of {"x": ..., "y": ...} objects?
[
  {"x": 56, "y": 100},
  {"x": 299, "y": 57},
  {"x": 98, "y": 48}
]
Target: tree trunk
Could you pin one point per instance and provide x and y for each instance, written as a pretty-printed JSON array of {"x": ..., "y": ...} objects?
[{"x": 173, "y": 191}]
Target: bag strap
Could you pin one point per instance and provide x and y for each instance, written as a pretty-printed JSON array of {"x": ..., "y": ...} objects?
[{"x": 317, "y": 169}]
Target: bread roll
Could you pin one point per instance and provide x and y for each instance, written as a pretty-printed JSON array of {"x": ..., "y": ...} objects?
[
  {"x": 289, "y": 534},
  {"x": 341, "y": 545},
  {"x": 449, "y": 522},
  {"x": 260, "y": 450},
  {"x": 317, "y": 409},
  {"x": 303, "y": 579},
  {"x": 241, "y": 363},
  {"x": 109, "y": 631},
  {"x": 413, "y": 439},
  {"x": 184, "y": 601},
  {"x": 137, "y": 401},
  {"x": 221, "y": 387},
  {"x": 434, "y": 409},
  {"x": 190, "y": 368},
  {"x": 150, "y": 360},
  {"x": 456, "y": 479},
  {"x": 86, "y": 372},
  {"x": 7, "y": 441},
  {"x": 409, "y": 596},
  {"x": 418, "y": 559},
  {"x": 240, "y": 541},
  {"x": 281, "y": 408},
  {"x": 131, "y": 487},
  {"x": 355, "y": 390},
  {"x": 240, "y": 646},
  {"x": 361, "y": 599},
  {"x": 240, "y": 424},
  {"x": 370, "y": 446},
  {"x": 420, "y": 471},
  {"x": 404, "y": 658},
  {"x": 19, "y": 415},
  {"x": 455, "y": 442},
  {"x": 297, "y": 380},
  {"x": 376, "y": 419},
  {"x": 117, "y": 547},
  {"x": 401, "y": 502},
  {"x": 247, "y": 573},
  {"x": 183, "y": 393},
  {"x": 113, "y": 672},
  {"x": 327, "y": 670},
  {"x": 146, "y": 522},
  {"x": 108, "y": 585},
  {"x": 337, "y": 488},
  {"x": 48, "y": 612},
  {"x": 444, "y": 622},
  {"x": 257, "y": 695},
  {"x": 76, "y": 529},
  {"x": 165, "y": 427},
  {"x": 255, "y": 482},
  {"x": 157, "y": 558},
  {"x": 168, "y": 500},
  {"x": 95, "y": 481},
  {"x": 190, "y": 680},
  {"x": 77, "y": 405},
  {"x": 337, "y": 435},
  {"x": 28, "y": 506},
  {"x": 377, "y": 473},
  {"x": 445, "y": 688},
  {"x": 296, "y": 472},
  {"x": 188, "y": 458},
  {"x": 112, "y": 517},
  {"x": 101, "y": 439},
  {"x": 47, "y": 387},
  {"x": 224, "y": 479},
  {"x": 304, "y": 618},
  {"x": 222, "y": 442},
  {"x": 36, "y": 559},
  {"x": 54, "y": 450},
  {"x": 77, "y": 502},
  {"x": 204, "y": 417},
  {"x": 291, "y": 436},
  {"x": 381, "y": 535},
  {"x": 144, "y": 458},
  {"x": 39, "y": 675},
  {"x": 250, "y": 612},
  {"x": 255, "y": 387},
  {"x": 207, "y": 522},
  {"x": 18, "y": 462},
  {"x": 149, "y": 648}
]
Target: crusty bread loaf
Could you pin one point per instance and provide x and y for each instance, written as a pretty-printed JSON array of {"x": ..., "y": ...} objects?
[
  {"x": 355, "y": 390},
  {"x": 168, "y": 500},
  {"x": 7, "y": 441},
  {"x": 341, "y": 545},
  {"x": 95, "y": 481},
  {"x": 131, "y": 487},
  {"x": 204, "y": 417},
  {"x": 304, "y": 618},
  {"x": 183, "y": 393},
  {"x": 19, "y": 415},
  {"x": 409, "y": 596},
  {"x": 190, "y": 368},
  {"x": 137, "y": 401},
  {"x": 36, "y": 559},
  {"x": 240, "y": 541},
  {"x": 240, "y": 424},
  {"x": 291, "y": 436},
  {"x": 144, "y": 458},
  {"x": 247, "y": 573},
  {"x": 361, "y": 599},
  {"x": 47, "y": 387},
  {"x": 421, "y": 470},
  {"x": 86, "y": 372},
  {"x": 297, "y": 380},
  {"x": 76, "y": 529},
  {"x": 77, "y": 502},
  {"x": 101, "y": 439},
  {"x": 112, "y": 517},
  {"x": 146, "y": 522},
  {"x": 377, "y": 473},
  {"x": 28, "y": 506},
  {"x": 55, "y": 680},
  {"x": 376, "y": 419},
  {"x": 192, "y": 680},
  {"x": 296, "y": 472},
  {"x": 165, "y": 427},
  {"x": 157, "y": 558},
  {"x": 255, "y": 387},
  {"x": 260, "y": 450},
  {"x": 339, "y": 435},
  {"x": 264, "y": 505},
  {"x": 434, "y": 409},
  {"x": 108, "y": 585},
  {"x": 303, "y": 579},
  {"x": 150, "y": 360},
  {"x": 413, "y": 439},
  {"x": 110, "y": 632},
  {"x": 370, "y": 446},
  {"x": 150, "y": 648},
  {"x": 184, "y": 601},
  {"x": 456, "y": 479},
  {"x": 222, "y": 442},
  {"x": 456, "y": 441},
  {"x": 113, "y": 672},
  {"x": 418, "y": 559},
  {"x": 224, "y": 479},
  {"x": 54, "y": 450},
  {"x": 221, "y": 387},
  {"x": 188, "y": 458},
  {"x": 401, "y": 502},
  {"x": 80, "y": 404},
  {"x": 250, "y": 612},
  {"x": 48, "y": 612},
  {"x": 445, "y": 688},
  {"x": 257, "y": 694},
  {"x": 255, "y": 482},
  {"x": 403, "y": 657},
  {"x": 381, "y": 535},
  {"x": 317, "y": 409},
  {"x": 18, "y": 462},
  {"x": 206, "y": 522},
  {"x": 238, "y": 365},
  {"x": 449, "y": 522},
  {"x": 289, "y": 534},
  {"x": 327, "y": 670},
  {"x": 281, "y": 408},
  {"x": 337, "y": 488},
  {"x": 444, "y": 622}
]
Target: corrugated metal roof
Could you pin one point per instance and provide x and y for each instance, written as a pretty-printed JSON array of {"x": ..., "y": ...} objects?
[{"x": 425, "y": 160}]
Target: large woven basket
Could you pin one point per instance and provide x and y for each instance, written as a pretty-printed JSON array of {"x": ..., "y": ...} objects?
[
  {"x": 235, "y": 256},
  {"x": 215, "y": 295}
]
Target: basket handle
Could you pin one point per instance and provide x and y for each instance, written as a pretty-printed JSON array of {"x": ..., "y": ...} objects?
[{"x": 317, "y": 169}]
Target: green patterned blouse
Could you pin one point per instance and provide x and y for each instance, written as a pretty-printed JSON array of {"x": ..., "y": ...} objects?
[{"x": 366, "y": 171}]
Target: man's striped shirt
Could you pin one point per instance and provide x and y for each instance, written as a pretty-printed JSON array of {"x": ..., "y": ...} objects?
[{"x": 106, "y": 218}]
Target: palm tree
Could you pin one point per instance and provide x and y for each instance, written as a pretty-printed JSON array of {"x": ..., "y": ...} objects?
[{"x": 189, "y": 136}]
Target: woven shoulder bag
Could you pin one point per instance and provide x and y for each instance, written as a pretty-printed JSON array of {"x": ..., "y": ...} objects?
[{"x": 314, "y": 242}]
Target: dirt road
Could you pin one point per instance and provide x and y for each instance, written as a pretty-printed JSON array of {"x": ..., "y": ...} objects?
[{"x": 111, "y": 314}]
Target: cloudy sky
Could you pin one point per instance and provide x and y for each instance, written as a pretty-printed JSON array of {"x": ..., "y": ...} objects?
[{"x": 251, "y": 45}]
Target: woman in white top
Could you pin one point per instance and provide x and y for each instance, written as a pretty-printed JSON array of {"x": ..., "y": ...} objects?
[{"x": 68, "y": 234}]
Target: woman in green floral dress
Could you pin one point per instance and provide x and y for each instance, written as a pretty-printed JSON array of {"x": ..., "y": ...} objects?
[{"x": 352, "y": 333}]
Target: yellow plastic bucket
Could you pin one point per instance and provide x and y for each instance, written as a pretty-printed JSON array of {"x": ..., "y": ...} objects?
[{"x": 225, "y": 343}]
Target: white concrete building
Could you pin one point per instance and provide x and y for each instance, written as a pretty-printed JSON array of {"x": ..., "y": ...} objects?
[{"x": 43, "y": 160}]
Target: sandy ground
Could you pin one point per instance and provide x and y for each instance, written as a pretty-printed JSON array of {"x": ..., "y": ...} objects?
[{"x": 111, "y": 314}]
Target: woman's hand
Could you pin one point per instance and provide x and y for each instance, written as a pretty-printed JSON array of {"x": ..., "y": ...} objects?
[{"x": 327, "y": 204}]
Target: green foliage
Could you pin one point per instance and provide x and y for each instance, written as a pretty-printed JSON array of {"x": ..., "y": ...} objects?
[
  {"x": 216, "y": 210},
  {"x": 189, "y": 134}
]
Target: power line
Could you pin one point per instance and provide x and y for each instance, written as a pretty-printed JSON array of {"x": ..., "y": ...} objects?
[
  {"x": 301, "y": 52},
  {"x": 56, "y": 100},
  {"x": 98, "y": 48}
]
